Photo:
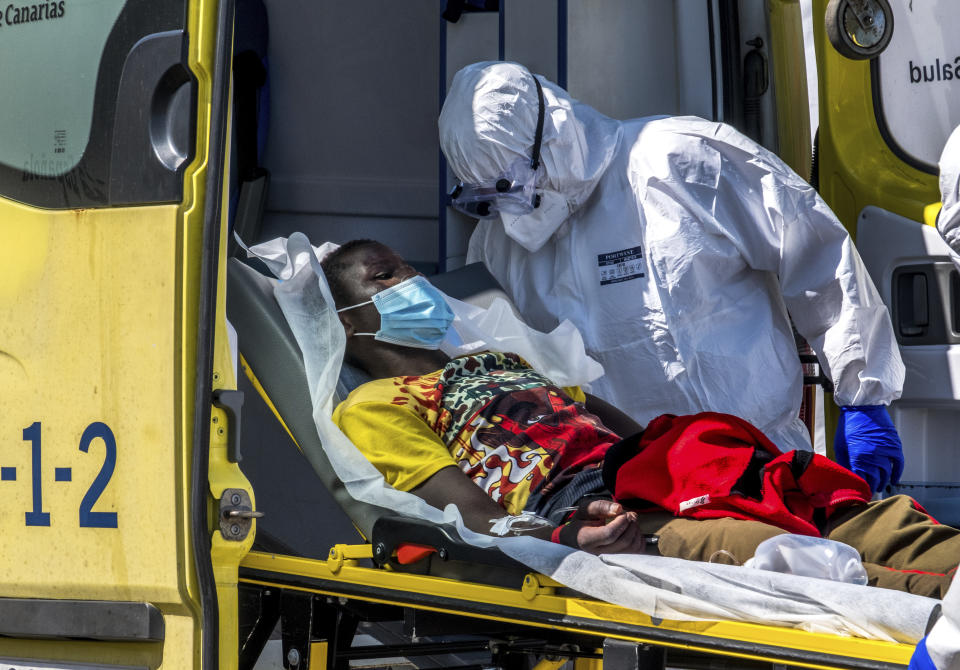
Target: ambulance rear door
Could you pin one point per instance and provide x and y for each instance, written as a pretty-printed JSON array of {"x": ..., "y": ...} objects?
[{"x": 111, "y": 152}]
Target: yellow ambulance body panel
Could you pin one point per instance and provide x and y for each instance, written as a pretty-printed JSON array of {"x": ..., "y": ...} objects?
[{"x": 102, "y": 316}]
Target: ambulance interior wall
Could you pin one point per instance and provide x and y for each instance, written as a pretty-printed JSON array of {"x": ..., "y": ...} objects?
[
  {"x": 352, "y": 143},
  {"x": 355, "y": 92}
]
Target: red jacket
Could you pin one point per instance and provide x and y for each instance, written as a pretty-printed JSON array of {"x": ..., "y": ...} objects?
[{"x": 710, "y": 465}]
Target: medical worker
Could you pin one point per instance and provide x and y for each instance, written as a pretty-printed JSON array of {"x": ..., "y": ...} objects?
[
  {"x": 948, "y": 220},
  {"x": 940, "y": 649},
  {"x": 677, "y": 246}
]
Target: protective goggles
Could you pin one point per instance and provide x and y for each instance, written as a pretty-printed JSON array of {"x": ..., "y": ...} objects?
[{"x": 513, "y": 192}]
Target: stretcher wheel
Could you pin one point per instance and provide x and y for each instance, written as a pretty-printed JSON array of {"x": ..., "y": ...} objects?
[{"x": 859, "y": 29}]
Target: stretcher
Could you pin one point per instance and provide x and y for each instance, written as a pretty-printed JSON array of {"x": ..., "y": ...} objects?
[{"x": 320, "y": 573}]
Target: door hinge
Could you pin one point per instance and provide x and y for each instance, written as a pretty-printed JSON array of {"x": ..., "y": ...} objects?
[{"x": 236, "y": 514}]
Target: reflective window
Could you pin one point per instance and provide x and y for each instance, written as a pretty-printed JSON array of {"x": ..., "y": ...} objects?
[
  {"x": 95, "y": 101},
  {"x": 51, "y": 54}
]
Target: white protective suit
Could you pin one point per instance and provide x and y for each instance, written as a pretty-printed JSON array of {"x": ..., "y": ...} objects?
[
  {"x": 948, "y": 221},
  {"x": 943, "y": 641},
  {"x": 676, "y": 246}
]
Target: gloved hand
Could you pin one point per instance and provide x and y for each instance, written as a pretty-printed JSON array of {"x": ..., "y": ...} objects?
[
  {"x": 921, "y": 658},
  {"x": 867, "y": 443}
]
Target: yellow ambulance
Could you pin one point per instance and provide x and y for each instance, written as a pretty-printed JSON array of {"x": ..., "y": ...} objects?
[{"x": 133, "y": 537}]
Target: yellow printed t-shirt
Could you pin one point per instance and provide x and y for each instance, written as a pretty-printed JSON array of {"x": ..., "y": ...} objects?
[{"x": 507, "y": 427}]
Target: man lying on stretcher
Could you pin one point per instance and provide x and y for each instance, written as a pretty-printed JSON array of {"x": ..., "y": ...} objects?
[{"x": 491, "y": 435}]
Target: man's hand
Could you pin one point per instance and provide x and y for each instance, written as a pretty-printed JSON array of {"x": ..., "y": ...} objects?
[{"x": 603, "y": 527}]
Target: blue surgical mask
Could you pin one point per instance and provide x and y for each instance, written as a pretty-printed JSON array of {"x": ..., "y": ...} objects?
[{"x": 412, "y": 314}]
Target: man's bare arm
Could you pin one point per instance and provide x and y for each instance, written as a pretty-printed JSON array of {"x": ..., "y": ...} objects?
[
  {"x": 603, "y": 527},
  {"x": 450, "y": 485}
]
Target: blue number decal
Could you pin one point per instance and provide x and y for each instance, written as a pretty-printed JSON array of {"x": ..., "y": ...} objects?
[
  {"x": 36, "y": 517},
  {"x": 89, "y": 518}
]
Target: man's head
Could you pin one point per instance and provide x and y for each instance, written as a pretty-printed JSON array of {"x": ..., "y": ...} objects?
[
  {"x": 412, "y": 314},
  {"x": 360, "y": 268},
  {"x": 355, "y": 273}
]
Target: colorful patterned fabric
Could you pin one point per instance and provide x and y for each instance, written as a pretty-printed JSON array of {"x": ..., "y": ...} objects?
[{"x": 507, "y": 427}]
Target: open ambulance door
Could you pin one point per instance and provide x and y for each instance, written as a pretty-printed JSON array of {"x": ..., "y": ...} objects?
[
  {"x": 114, "y": 462},
  {"x": 883, "y": 124}
]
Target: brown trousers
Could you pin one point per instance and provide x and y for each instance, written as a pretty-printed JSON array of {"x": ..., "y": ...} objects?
[{"x": 901, "y": 547}]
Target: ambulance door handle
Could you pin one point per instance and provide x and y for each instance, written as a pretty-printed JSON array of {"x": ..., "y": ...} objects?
[
  {"x": 912, "y": 304},
  {"x": 925, "y": 303},
  {"x": 953, "y": 293},
  {"x": 231, "y": 402}
]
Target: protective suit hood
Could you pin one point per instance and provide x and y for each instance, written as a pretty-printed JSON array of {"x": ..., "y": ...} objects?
[
  {"x": 489, "y": 121},
  {"x": 948, "y": 221},
  {"x": 950, "y": 174}
]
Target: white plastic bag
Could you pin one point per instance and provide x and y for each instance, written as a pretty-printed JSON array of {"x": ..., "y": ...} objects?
[
  {"x": 277, "y": 256},
  {"x": 809, "y": 557},
  {"x": 558, "y": 355}
]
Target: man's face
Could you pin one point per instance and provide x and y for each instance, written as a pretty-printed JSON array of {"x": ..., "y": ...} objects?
[{"x": 370, "y": 269}]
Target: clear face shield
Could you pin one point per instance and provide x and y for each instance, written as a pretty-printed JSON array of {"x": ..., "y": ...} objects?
[{"x": 514, "y": 191}]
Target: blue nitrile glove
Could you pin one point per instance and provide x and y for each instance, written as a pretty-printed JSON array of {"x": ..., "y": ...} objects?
[
  {"x": 867, "y": 443},
  {"x": 921, "y": 659}
]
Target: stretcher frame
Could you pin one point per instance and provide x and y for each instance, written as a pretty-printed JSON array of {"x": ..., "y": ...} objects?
[
  {"x": 570, "y": 626},
  {"x": 512, "y": 613}
]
